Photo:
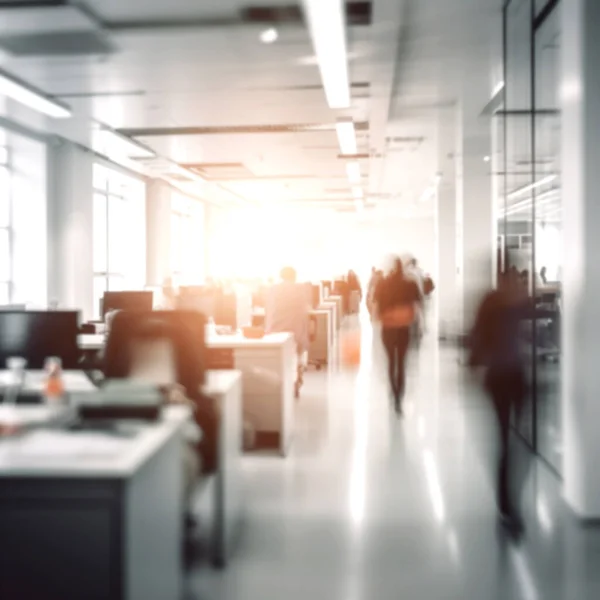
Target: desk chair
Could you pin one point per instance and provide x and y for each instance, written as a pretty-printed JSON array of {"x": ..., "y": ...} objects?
[{"x": 165, "y": 348}]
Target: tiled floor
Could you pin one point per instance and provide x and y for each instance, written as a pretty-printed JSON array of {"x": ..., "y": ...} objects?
[{"x": 375, "y": 508}]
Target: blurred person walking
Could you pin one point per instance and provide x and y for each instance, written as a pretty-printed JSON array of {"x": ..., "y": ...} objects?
[
  {"x": 495, "y": 346},
  {"x": 414, "y": 272},
  {"x": 396, "y": 298},
  {"x": 353, "y": 286}
]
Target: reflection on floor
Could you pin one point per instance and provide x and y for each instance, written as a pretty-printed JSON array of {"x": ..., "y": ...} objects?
[{"x": 375, "y": 508}]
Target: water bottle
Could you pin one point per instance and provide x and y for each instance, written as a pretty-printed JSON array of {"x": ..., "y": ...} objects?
[{"x": 54, "y": 388}]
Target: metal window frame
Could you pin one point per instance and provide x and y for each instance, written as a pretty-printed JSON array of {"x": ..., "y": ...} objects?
[{"x": 538, "y": 18}]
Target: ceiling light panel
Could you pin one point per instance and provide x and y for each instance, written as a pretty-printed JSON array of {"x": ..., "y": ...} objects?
[
  {"x": 327, "y": 24},
  {"x": 357, "y": 193},
  {"x": 353, "y": 171},
  {"x": 28, "y": 96},
  {"x": 346, "y": 136}
]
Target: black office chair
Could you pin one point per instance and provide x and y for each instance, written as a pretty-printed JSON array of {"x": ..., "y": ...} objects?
[{"x": 166, "y": 347}]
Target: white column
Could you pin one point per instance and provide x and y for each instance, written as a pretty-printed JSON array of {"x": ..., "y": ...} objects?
[
  {"x": 580, "y": 47},
  {"x": 70, "y": 227},
  {"x": 29, "y": 217},
  {"x": 158, "y": 237},
  {"x": 478, "y": 217},
  {"x": 447, "y": 273}
]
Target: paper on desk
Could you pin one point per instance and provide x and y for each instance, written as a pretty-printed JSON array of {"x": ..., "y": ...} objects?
[{"x": 62, "y": 444}]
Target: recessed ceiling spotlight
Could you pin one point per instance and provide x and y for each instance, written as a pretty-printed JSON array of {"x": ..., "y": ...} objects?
[
  {"x": 486, "y": 158},
  {"x": 269, "y": 36}
]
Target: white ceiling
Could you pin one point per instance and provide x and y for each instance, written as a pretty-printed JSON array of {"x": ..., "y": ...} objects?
[{"x": 417, "y": 57}]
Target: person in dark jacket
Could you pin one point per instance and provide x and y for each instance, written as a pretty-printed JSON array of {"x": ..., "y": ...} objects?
[
  {"x": 396, "y": 298},
  {"x": 495, "y": 345}
]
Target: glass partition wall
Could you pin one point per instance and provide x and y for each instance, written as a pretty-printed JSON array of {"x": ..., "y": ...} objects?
[{"x": 528, "y": 183}]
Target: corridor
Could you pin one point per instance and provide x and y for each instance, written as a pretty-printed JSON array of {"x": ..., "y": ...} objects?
[{"x": 369, "y": 506}]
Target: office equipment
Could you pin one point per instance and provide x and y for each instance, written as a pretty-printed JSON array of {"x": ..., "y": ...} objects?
[
  {"x": 127, "y": 300},
  {"x": 103, "y": 512},
  {"x": 36, "y": 335},
  {"x": 120, "y": 400}
]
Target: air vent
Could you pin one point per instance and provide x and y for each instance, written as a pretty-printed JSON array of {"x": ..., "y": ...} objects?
[
  {"x": 220, "y": 171},
  {"x": 272, "y": 14},
  {"x": 78, "y": 43},
  {"x": 357, "y": 13}
]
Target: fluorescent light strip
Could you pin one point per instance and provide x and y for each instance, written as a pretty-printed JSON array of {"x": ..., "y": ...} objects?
[
  {"x": 125, "y": 145},
  {"x": 353, "y": 171},
  {"x": 531, "y": 186},
  {"x": 326, "y": 21},
  {"x": 357, "y": 193},
  {"x": 346, "y": 136},
  {"x": 27, "y": 96}
]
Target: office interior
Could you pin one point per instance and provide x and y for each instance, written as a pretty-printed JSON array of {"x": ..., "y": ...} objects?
[{"x": 169, "y": 160}]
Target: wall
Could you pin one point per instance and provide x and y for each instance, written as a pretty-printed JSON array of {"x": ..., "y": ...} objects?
[{"x": 70, "y": 227}]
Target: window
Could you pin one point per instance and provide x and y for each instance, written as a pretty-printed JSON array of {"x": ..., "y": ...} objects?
[
  {"x": 6, "y": 230},
  {"x": 119, "y": 214},
  {"x": 187, "y": 234}
]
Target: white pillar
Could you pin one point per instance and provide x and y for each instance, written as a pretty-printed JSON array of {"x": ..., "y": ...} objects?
[
  {"x": 29, "y": 215},
  {"x": 158, "y": 234},
  {"x": 478, "y": 217},
  {"x": 70, "y": 227},
  {"x": 580, "y": 47},
  {"x": 446, "y": 284}
]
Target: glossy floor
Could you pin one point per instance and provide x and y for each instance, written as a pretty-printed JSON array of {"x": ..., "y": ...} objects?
[{"x": 372, "y": 507}]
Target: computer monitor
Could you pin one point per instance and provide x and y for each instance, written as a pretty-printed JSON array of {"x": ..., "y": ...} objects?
[
  {"x": 127, "y": 300},
  {"x": 37, "y": 335}
]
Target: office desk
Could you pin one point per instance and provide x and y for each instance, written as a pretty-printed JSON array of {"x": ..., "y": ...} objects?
[
  {"x": 225, "y": 387},
  {"x": 321, "y": 335},
  {"x": 332, "y": 307},
  {"x": 98, "y": 517},
  {"x": 339, "y": 314},
  {"x": 34, "y": 381},
  {"x": 268, "y": 367}
]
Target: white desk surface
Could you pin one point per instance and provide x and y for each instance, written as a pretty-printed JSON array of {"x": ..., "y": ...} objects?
[
  {"x": 96, "y": 342},
  {"x": 272, "y": 340},
  {"x": 218, "y": 383},
  {"x": 86, "y": 454},
  {"x": 75, "y": 381},
  {"x": 91, "y": 341}
]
